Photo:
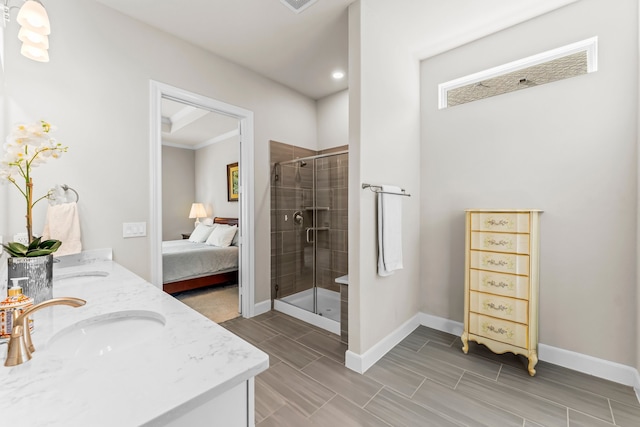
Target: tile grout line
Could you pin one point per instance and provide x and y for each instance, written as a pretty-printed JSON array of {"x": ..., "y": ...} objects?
[
  {"x": 374, "y": 396},
  {"x": 324, "y": 404},
  {"x": 337, "y": 393},
  {"x": 418, "y": 388},
  {"x": 499, "y": 371},
  {"x": 611, "y": 409}
]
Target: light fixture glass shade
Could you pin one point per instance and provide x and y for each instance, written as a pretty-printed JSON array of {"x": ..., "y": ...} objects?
[
  {"x": 33, "y": 15},
  {"x": 34, "y": 52},
  {"x": 34, "y": 39}
]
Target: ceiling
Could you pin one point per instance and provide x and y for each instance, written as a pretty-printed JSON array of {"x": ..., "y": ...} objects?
[
  {"x": 190, "y": 127},
  {"x": 301, "y": 50},
  {"x": 298, "y": 50}
]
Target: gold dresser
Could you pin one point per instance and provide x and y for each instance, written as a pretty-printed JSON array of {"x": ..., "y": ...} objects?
[{"x": 501, "y": 281}]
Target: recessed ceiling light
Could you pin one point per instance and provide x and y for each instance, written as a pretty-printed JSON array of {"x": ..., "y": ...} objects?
[{"x": 337, "y": 75}]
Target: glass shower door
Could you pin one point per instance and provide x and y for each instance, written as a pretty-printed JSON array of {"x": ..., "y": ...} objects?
[
  {"x": 295, "y": 253},
  {"x": 310, "y": 239}
]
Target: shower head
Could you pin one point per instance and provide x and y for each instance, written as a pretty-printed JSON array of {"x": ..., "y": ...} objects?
[{"x": 302, "y": 163}]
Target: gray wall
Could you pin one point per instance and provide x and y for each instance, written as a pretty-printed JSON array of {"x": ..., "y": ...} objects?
[
  {"x": 96, "y": 90},
  {"x": 568, "y": 148},
  {"x": 178, "y": 191},
  {"x": 333, "y": 120},
  {"x": 211, "y": 177}
]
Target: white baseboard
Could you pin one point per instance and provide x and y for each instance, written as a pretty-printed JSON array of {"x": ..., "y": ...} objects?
[
  {"x": 441, "y": 324},
  {"x": 361, "y": 362},
  {"x": 262, "y": 307},
  {"x": 601, "y": 368}
]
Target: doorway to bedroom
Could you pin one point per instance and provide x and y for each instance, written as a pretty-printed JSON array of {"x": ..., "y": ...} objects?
[
  {"x": 201, "y": 215},
  {"x": 200, "y": 153}
]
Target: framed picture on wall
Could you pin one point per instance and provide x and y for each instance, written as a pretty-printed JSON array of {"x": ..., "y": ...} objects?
[{"x": 232, "y": 182}]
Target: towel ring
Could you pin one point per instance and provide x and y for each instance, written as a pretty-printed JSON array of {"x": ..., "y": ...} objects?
[{"x": 65, "y": 187}]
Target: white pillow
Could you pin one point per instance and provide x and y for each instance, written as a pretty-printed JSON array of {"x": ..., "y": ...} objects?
[
  {"x": 222, "y": 235},
  {"x": 201, "y": 233}
]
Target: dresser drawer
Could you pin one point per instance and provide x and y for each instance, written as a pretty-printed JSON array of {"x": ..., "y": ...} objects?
[
  {"x": 507, "y": 285},
  {"x": 498, "y": 330},
  {"x": 503, "y": 263},
  {"x": 500, "y": 242},
  {"x": 500, "y": 221},
  {"x": 516, "y": 310}
]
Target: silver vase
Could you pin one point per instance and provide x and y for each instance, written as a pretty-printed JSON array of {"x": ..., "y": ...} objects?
[{"x": 39, "y": 271}]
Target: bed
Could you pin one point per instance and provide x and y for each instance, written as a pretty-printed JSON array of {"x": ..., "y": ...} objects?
[{"x": 187, "y": 265}]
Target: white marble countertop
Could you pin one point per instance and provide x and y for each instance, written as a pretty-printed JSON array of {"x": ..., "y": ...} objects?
[{"x": 191, "y": 359}]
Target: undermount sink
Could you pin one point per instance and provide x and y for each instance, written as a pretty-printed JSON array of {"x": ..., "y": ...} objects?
[
  {"x": 79, "y": 275},
  {"x": 107, "y": 333}
]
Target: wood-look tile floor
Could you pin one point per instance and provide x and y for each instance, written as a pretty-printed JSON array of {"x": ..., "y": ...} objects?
[{"x": 425, "y": 380}]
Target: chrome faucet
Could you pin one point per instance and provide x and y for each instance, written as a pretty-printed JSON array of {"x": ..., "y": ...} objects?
[{"x": 20, "y": 345}]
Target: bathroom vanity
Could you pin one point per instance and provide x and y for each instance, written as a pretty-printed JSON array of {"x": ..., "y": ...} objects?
[{"x": 132, "y": 355}]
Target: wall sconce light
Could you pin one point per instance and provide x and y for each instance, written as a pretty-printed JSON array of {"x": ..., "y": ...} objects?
[
  {"x": 197, "y": 212},
  {"x": 34, "y": 29}
]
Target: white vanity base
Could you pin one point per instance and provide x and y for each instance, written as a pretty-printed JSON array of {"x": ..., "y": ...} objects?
[{"x": 234, "y": 408}]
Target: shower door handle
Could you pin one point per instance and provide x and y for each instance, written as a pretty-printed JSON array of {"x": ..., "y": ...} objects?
[{"x": 314, "y": 229}]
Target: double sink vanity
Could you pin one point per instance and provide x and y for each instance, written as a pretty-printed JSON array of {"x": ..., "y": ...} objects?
[{"x": 132, "y": 355}]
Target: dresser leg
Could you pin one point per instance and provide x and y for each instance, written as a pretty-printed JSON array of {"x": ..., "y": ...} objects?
[
  {"x": 533, "y": 360},
  {"x": 465, "y": 342}
]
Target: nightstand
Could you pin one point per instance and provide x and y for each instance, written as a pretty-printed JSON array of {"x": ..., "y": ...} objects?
[{"x": 186, "y": 235}]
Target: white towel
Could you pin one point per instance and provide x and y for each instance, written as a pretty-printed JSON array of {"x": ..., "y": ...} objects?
[
  {"x": 389, "y": 230},
  {"x": 63, "y": 223}
]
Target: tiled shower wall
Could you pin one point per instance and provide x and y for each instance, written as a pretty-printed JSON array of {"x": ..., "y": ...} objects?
[{"x": 288, "y": 240}]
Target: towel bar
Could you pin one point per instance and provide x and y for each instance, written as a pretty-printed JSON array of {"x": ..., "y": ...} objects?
[{"x": 378, "y": 189}]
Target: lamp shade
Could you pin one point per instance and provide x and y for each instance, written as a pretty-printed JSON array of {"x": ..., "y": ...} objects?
[
  {"x": 197, "y": 211},
  {"x": 33, "y": 15}
]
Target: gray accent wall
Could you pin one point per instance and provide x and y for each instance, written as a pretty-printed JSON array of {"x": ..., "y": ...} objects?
[{"x": 568, "y": 148}]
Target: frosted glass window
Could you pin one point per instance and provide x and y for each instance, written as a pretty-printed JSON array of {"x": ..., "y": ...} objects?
[{"x": 562, "y": 63}]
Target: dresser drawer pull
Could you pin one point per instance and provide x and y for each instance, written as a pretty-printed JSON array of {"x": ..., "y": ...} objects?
[
  {"x": 500, "y": 284},
  {"x": 491, "y": 222},
  {"x": 487, "y": 260},
  {"x": 490, "y": 241},
  {"x": 488, "y": 327},
  {"x": 504, "y": 308}
]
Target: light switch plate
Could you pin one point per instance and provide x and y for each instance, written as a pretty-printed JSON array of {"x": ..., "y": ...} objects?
[{"x": 134, "y": 229}]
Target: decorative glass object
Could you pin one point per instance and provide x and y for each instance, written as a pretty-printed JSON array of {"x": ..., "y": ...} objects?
[{"x": 38, "y": 270}]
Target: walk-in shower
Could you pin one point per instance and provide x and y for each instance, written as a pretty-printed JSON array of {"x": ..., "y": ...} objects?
[{"x": 309, "y": 209}]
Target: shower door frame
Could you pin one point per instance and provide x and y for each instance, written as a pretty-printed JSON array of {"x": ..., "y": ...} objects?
[{"x": 277, "y": 300}]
